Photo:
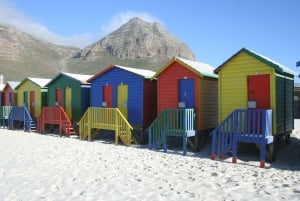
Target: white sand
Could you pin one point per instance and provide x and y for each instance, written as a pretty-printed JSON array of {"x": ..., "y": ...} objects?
[{"x": 44, "y": 167}]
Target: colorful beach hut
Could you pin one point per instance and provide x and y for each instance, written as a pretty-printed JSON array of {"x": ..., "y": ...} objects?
[
  {"x": 71, "y": 91},
  {"x": 128, "y": 89},
  {"x": 9, "y": 93},
  {"x": 249, "y": 81},
  {"x": 186, "y": 84},
  {"x": 33, "y": 93}
]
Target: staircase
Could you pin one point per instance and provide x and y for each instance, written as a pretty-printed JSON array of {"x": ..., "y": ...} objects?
[
  {"x": 172, "y": 122},
  {"x": 20, "y": 117},
  {"x": 33, "y": 126},
  {"x": 106, "y": 118},
  {"x": 250, "y": 126},
  {"x": 56, "y": 115}
]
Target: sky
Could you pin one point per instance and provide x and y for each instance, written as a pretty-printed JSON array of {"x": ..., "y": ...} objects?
[{"x": 213, "y": 29}]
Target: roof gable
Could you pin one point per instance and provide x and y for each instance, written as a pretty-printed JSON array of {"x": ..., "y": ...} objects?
[
  {"x": 147, "y": 74},
  {"x": 82, "y": 79},
  {"x": 40, "y": 82},
  {"x": 201, "y": 69},
  {"x": 12, "y": 84},
  {"x": 279, "y": 68}
]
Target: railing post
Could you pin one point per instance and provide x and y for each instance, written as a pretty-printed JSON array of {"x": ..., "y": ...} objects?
[
  {"x": 117, "y": 127},
  {"x": 263, "y": 139},
  {"x": 89, "y": 117},
  {"x": 214, "y": 140},
  {"x": 150, "y": 138},
  {"x": 234, "y": 136}
]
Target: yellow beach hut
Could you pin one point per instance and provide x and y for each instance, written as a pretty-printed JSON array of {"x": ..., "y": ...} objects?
[
  {"x": 250, "y": 78},
  {"x": 250, "y": 81},
  {"x": 33, "y": 93}
]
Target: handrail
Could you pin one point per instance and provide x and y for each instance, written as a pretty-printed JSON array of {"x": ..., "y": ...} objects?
[
  {"x": 20, "y": 113},
  {"x": 242, "y": 125},
  {"x": 66, "y": 123},
  {"x": 170, "y": 121},
  {"x": 4, "y": 113},
  {"x": 5, "y": 110},
  {"x": 55, "y": 115},
  {"x": 124, "y": 128},
  {"x": 105, "y": 118},
  {"x": 222, "y": 136},
  {"x": 84, "y": 130}
]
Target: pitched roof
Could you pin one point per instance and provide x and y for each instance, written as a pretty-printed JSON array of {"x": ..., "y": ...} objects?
[
  {"x": 202, "y": 69},
  {"x": 41, "y": 82},
  {"x": 78, "y": 77},
  {"x": 147, "y": 74},
  {"x": 13, "y": 84},
  {"x": 144, "y": 73},
  {"x": 277, "y": 66}
]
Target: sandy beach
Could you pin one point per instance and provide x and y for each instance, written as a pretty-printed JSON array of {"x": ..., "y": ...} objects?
[{"x": 36, "y": 166}]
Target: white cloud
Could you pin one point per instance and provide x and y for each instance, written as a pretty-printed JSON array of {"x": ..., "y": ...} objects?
[{"x": 11, "y": 16}]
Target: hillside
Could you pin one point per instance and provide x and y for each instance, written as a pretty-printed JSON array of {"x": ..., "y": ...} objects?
[
  {"x": 22, "y": 55},
  {"x": 137, "y": 44}
]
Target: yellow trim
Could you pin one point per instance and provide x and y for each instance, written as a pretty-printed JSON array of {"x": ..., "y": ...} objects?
[
  {"x": 123, "y": 99},
  {"x": 68, "y": 102}
]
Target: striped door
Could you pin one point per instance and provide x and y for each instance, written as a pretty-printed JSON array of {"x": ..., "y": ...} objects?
[
  {"x": 32, "y": 103},
  {"x": 187, "y": 92},
  {"x": 123, "y": 99},
  {"x": 11, "y": 99},
  {"x": 25, "y": 98},
  {"x": 68, "y": 102}
]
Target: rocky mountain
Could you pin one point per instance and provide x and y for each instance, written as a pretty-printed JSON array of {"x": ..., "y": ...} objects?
[
  {"x": 137, "y": 44},
  {"x": 139, "y": 39}
]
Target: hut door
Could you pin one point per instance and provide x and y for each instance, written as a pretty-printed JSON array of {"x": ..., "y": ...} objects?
[
  {"x": 32, "y": 102},
  {"x": 25, "y": 96},
  {"x": 11, "y": 98},
  {"x": 259, "y": 90},
  {"x": 68, "y": 102},
  {"x": 123, "y": 99},
  {"x": 186, "y": 93},
  {"x": 107, "y": 96},
  {"x": 58, "y": 97}
]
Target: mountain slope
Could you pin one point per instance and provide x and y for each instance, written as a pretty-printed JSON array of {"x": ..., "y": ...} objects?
[
  {"x": 22, "y": 55},
  {"x": 137, "y": 44}
]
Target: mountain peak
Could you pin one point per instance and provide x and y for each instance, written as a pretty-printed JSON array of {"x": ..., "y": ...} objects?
[{"x": 140, "y": 39}]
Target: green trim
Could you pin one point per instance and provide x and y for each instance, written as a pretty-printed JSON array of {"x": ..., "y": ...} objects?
[{"x": 261, "y": 58}]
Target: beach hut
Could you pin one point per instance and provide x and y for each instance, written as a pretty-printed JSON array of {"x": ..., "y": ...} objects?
[
  {"x": 71, "y": 91},
  {"x": 128, "y": 89},
  {"x": 249, "y": 80},
  {"x": 186, "y": 84},
  {"x": 33, "y": 93},
  {"x": 9, "y": 93}
]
